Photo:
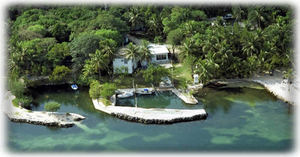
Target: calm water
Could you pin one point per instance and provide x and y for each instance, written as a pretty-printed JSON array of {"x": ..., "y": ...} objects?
[
  {"x": 239, "y": 119},
  {"x": 161, "y": 100}
]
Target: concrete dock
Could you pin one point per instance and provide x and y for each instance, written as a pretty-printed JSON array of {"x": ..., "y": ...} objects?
[
  {"x": 151, "y": 116},
  {"x": 185, "y": 97}
]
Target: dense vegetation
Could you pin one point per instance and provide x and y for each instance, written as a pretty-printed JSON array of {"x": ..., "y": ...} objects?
[{"x": 78, "y": 43}]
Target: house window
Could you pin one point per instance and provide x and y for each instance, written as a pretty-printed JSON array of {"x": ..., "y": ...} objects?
[
  {"x": 161, "y": 57},
  {"x": 125, "y": 61}
]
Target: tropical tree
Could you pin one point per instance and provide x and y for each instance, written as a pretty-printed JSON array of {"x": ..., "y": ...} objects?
[
  {"x": 110, "y": 34},
  {"x": 81, "y": 48},
  {"x": 94, "y": 90},
  {"x": 206, "y": 69},
  {"x": 58, "y": 53},
  {"x": 187, "y": 49},
  {"x": 134, "y": 17},
  {"x": 237, "y": 13},
  {"x": 174, "y": 38},
  {"x": 178, "y": 16},
  {"x": 107, "y": 90},
  {"x": 60, "y": 31},
  {"x": 144, "y": 52},
  {"x": 132, "y": 52},
  {"x": 99, "y": 61},
  {"x": 60, "y": 73},
  {"x": 153, "y": 74},
  {"x": 258, "y": 16},
  {"x": 154, "y": 25},
  {"x": 108, "y": 47}
]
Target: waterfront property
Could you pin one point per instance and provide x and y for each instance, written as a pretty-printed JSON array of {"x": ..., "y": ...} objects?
[
  {"x": 87, "y": 46},
  {"x": 160, "y": 55}
]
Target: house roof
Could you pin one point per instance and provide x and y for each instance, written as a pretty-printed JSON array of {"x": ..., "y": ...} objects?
[{"x": 158, "y": 49}]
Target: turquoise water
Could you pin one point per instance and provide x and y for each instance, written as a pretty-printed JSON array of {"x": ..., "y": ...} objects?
[{"x": 239, "y": 119}]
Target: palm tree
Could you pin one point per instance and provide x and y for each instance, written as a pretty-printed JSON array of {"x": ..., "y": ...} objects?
[
  {"x": 145, "y": 53},
  {"x": 256, "y": 16},
  {"x": 154, "y": 24},
  {"x": 134, "y": 17},
  {"x": 132, "y": 52},
  {"x": 237, "y": 13},
  {"x": 100, "y": 61},
  {"x": 108, "y": 47},
  {"x": 187, "y": 49}
]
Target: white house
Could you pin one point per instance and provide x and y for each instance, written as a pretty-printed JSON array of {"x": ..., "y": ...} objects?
[
  {"x": 159, "y": 56},
  {"x": 159, "y": 53},
  {"x": 121, "y": 64}
]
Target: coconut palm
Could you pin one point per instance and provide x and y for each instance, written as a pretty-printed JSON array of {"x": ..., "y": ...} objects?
[
  {"x": 237, "y": 13},
  {"x": 256, "y": 16},
  {"x": 145, "y": 54},
  {"x": 100, "y": 61},
  {"x": 187, "y": 49},
  {"x": 132, "y": 52},
  {"x": 108, "y": 47}
]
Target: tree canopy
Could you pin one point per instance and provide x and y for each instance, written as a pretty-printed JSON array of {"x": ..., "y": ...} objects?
[{"x": 85, "y": 39}]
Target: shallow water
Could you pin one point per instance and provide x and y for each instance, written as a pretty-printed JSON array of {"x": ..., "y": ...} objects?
[{"x": 239, "y": 119}]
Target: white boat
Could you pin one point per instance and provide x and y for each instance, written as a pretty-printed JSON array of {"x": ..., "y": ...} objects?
[
  {"x": 74, "y": 86},
  {"x": 125, "y": 95}
]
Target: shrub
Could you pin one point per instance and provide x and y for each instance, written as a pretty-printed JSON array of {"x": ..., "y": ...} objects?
[
  {"x": 24, "y": 101},
  {"x": 39, "y": 29},
  {"x": 106, "y": 102},
  {"x": 17, "y": 88},
  {"x": 15, "y": 102},
  {"x": 158, "y": 39},
  {"x": 94, "y": 89},
  {"x": 60, "y": 73},
  {"x": 153, "y": 74},
  {"x": 108, "y": 89},
  {"x": 52, "y": 106}
]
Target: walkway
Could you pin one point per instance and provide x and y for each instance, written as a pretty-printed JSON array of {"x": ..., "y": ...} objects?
[
  {"x": 187, "y": 98},
  {"x": 151, "y": 116}
]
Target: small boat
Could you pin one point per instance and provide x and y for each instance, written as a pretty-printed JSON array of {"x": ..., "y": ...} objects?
[
  {"x": 74, "y": 86},
  {"x": 125, "y": 95},
  {"x": 144, "y": 91}
]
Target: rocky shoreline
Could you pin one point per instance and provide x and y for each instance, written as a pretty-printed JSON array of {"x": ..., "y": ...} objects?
[
  {"x": 278, "y": 86},
  {"x": 22, "y": 115},
  {"x": 159, "y": 121},
  {"x": 275, "y": 84}
]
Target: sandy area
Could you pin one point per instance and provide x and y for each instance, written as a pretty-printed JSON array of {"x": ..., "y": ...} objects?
[{"x": 278, "y": 86}]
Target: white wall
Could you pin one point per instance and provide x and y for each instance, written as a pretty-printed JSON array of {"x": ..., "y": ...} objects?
[{"x": 118, "y": 63}]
